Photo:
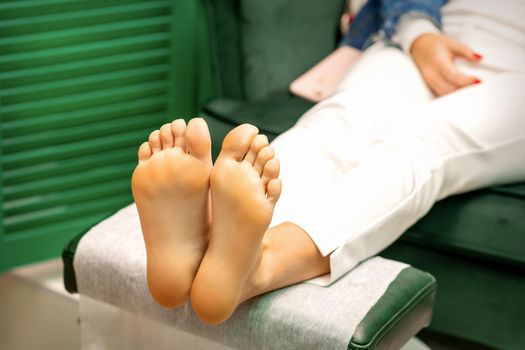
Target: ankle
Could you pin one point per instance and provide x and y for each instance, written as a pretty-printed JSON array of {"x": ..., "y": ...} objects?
[{"x": 260, "y": 281}]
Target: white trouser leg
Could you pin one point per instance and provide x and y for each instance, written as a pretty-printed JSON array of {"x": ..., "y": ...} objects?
[
  {"x": 354, "y": 204},
  {"x": 330, "y": 137},
  {"x": 458, "y": 144},
  {"x": 455, "y": 145}
]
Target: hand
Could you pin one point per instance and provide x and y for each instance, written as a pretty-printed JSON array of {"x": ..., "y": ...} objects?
[{"x": 434, "y": 55}]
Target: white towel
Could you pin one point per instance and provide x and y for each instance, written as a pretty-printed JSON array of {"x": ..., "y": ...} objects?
[{"x": 110, "y": 266}]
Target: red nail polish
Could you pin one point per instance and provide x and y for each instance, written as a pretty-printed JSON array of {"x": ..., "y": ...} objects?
[
  {"x": 476, "y": 81},
  {"x": 477, "y": 56}
]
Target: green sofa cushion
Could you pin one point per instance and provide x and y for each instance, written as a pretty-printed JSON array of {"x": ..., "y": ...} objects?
[
  {"x": 277, "y": 47},
  {"x": 476, "y": 300},
  {"x": 261, "y": 46},
  {"x": 487, "y": 224},
  {"x": 272, "y": 117},
  {"x": 223, "y": 21}
]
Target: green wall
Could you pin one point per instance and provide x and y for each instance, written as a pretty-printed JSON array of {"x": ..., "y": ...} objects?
[{"x": 81, "y": 86}]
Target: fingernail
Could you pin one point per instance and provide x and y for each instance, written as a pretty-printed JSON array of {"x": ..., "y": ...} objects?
[
  {"x": 476, "y": 81},
  {"x": 477, "y": 56}
]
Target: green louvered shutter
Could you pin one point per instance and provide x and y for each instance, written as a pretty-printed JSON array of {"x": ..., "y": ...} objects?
[{"x": 82, "y": 83}]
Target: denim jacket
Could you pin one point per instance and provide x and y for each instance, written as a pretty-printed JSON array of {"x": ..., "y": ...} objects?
[{"x": 382, "y": 17}]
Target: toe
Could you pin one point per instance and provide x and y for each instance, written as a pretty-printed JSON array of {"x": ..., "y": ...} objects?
[
  {"x": 237, "y": 143},
  {"x": 198, "y": 140},
  {"x": 273, "y": 190},
  {"x": 144, "y": 151},
  {"x": 258, "y": 143},
  {"x": 166, "y": 137},
  {"x": 270, "y": 171},
  {"x": 154, "y": 141},
  {"x": 264, "y": 155},
  {"x": 177, "y": 129}
]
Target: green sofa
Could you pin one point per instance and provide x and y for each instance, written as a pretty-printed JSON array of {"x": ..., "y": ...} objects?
[{"x": 474, "y": 244}]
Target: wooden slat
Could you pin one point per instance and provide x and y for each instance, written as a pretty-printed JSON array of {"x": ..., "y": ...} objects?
[
  {"x": 83, "y": 84},
  {"x": 82, "y": 116}
]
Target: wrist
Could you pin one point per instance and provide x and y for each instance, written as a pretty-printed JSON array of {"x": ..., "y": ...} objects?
[{"x": 411, "y": 27}]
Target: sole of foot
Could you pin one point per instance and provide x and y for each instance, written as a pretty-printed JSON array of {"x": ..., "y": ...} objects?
[
  {"x": 171, "y": 189},
  {"x": 244, "y": 190}
]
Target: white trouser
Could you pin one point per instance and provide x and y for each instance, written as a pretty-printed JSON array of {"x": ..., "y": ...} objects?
[{"x": 361, "y": 167}]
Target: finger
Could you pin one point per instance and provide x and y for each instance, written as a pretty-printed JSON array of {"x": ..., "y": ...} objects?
[
  {"x": 462, "y": 50},
  {"x": 440, "y": 86},
  {"x": 452, "y": 74}
]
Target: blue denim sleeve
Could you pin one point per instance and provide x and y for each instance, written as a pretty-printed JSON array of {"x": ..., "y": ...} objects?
[
  {"x": 366, "y": 23},
  {"x": 382, "y": 16},
  {"x": 393, "y": 10}
]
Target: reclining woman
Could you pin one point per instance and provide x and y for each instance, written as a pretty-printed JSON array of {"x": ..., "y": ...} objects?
[{"x": 405, "y": 129}]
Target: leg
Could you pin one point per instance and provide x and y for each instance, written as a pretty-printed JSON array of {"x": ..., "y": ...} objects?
[
  {"x": 455, "y": 145},
  {"x": 244, "y": 258},
  {"x": 244, "y": 190},
  {"x": 315, "y": 151},
  {"x": 378, "y": 93},
  {"x": 170, "y": 187},
  {"x": 289, "y": 257},
  {"x": 397, "y": 182},
  {"x": 380, "y": 89}
]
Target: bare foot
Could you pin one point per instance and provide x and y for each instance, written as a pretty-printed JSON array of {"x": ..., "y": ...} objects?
[
  {"x": 244, "y": 190},
  {"x": 171, "y": 189}
]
